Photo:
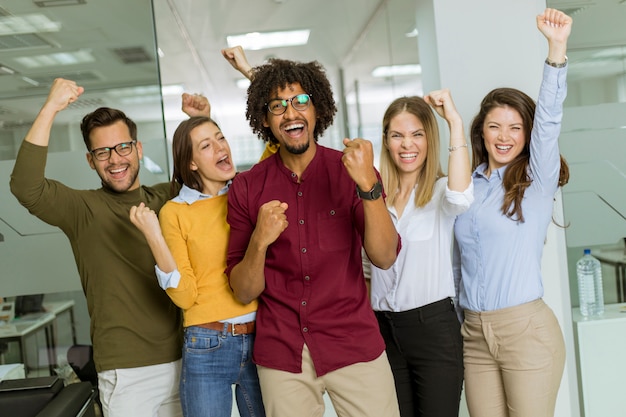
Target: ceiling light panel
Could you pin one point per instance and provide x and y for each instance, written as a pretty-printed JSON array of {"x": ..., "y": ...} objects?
[
  {"x": 396, "y": 70},
  {"x": 29, "y": 23},
  {"x": 25, "y": 41},
  {"x": 78, "y": 76},
  {"x": 60, "y": 58},
  {"x": 254, "y": 41},
  {"x": 5, "y": 70}
]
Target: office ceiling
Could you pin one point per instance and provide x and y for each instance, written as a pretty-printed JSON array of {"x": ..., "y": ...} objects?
[
  {"x": 350, "y": 35},
  {"x": 190, "y": 35}
]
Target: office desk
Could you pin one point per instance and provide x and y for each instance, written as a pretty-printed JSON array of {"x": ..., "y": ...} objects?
[
  {"x": 18, "y": 330},
  {"x": 58, "y": 308},
  {"x": 12, "y": 371},
  {"x": 601, "y": 347}
]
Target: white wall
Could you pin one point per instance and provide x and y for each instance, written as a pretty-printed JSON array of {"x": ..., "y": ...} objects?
[{"x": 472, "y": 50}]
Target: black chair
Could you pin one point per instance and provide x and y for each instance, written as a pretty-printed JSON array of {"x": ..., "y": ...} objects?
[
  {"x": 46, "y": 397},
  {"x": 80, "y": 358}
]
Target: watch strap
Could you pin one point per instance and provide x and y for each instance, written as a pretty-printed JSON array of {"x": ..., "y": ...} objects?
[{"x": 373, "y": 194}]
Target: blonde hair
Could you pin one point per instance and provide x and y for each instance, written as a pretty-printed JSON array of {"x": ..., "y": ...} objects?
[{"x": 431, "y": 170}]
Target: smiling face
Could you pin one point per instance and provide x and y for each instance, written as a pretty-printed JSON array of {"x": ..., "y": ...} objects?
[
  {"x": 211, "y": 157},
  {"x": 118, "y": 173},
  {"x": 293, "y": 129},
  {"x": 406, "y": 143},
  {"x": 503, "y": 135}
]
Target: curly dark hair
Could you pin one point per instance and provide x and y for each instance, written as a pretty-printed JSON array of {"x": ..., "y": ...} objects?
[
  {"x": 516, "y": 178},
  {"x": 278, "y": 74}
]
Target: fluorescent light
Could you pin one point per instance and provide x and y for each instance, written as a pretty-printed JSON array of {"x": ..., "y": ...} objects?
[
  {"x": 243, "y": 83},
  {"x": 6, "y": 70},
  {"x": 254, "y": 41},
  {"x": 412, "y": 34},
  {"x": 59, "y": 58},
  {"x": 394, "y": 70},
  {"x": 30, "y": 81},
  {"x": 172, "y": 90},
  {"x": 132, "y": 93},
  {"x": 29, "y": 23}
]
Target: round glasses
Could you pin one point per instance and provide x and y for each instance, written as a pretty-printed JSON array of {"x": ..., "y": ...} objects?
[
  {"x": 300, "y": 102},
  {"x": 122, "y": 149}
]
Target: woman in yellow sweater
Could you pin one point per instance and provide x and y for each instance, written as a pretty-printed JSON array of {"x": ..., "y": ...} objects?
[{"x": 190, "y": 251}]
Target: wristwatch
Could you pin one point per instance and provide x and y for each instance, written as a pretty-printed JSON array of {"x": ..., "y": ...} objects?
[{"x": 373, "y": 194}]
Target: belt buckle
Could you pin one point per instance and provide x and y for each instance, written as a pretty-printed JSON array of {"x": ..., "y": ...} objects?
[{"x": 233, "y": 330}]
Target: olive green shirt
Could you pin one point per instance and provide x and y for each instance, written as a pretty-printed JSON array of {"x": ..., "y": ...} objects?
[{"x": 133, "y": 321}]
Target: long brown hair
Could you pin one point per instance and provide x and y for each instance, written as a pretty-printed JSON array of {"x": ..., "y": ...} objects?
[
  {"x": 182, "y": 155},
  {"x": 431, "y": 170},
  {"x": 517, "y": 175}
]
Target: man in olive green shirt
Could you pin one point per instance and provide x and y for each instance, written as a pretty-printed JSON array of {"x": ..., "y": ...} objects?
[{"x": 135, "y": 328}]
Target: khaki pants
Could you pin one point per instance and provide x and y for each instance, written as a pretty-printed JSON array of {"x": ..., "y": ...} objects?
[
  {"x": 514, "y": 359},
  {"x": 361, "y": 390}
]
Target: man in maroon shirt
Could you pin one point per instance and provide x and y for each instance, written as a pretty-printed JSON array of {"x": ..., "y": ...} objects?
[{"x": 298, "y": 222}]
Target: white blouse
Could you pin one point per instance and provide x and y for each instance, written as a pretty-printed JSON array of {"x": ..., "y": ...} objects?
[{"x": 422, "y": 273}]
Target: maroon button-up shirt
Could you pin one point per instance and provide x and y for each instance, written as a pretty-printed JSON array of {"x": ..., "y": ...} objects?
[{"x": 314, "y": 286}]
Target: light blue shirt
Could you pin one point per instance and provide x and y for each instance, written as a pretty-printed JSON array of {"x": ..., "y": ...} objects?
[{"x": 500, "y": 258}]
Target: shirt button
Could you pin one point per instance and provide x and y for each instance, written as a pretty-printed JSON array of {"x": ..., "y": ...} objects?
[
  {"x": 305, "y": 329},
  {"x": 304, "y": 303},
  {"x": 332, "y": 212},
  {"x": 303, "y": 250},
  {"x": 299, "y": 193},
  {"x": 293, "y": 175},
  {"x": 307, "y": 278},
  {"x": 301, "y": 221}
]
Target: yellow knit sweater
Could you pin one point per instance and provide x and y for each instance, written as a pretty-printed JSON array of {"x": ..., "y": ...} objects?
[{"x": 197, "y": 236}]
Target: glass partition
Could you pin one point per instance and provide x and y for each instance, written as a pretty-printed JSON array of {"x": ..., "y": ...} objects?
[
  {"x": 593, "y": 141},
  {"x": 109, "y": 48}
]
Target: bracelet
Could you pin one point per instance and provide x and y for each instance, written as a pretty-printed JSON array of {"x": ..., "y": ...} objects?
[
  {"x": 556, "y": 65},
  {"x": 454, "y": 148}
]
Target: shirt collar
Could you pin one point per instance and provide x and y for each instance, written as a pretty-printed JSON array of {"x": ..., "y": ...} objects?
[
  {"x": 497, "y": 173},
  {"x": 189, "y": 195}
]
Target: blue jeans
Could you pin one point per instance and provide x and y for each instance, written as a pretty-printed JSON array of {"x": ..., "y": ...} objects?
[{"x": 212, "y": 362}]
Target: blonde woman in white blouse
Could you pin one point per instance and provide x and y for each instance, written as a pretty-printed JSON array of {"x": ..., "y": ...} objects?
[{"x": 414, "y": 299}]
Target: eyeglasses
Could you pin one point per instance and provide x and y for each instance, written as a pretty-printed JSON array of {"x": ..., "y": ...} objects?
[
  {"x": 300, "y": 102},
  {"x": 122, "y": 149}
]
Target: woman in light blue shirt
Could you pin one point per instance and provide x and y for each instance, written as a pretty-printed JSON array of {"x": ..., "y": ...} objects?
[
  {"x": 514, "y": 352},
  {"x": 413, "y": 300}
]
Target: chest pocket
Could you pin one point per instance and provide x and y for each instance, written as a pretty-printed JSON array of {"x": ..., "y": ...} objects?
[
  {"x": 421, "y": 228},
  {"x": 334, "y": 230}
]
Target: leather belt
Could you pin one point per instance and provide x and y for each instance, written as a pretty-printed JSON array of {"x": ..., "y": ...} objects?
[{"x": 234, "y": 329}]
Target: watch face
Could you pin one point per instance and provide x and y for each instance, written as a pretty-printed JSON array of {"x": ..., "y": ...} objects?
[
  {"x": 377, "y": 191},
  {"x": 373, "y": 194}
]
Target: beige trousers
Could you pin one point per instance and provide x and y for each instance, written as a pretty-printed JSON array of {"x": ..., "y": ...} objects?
[
  {"x": 365, "y": 389},
  {"x": 514, "y": 359}
]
